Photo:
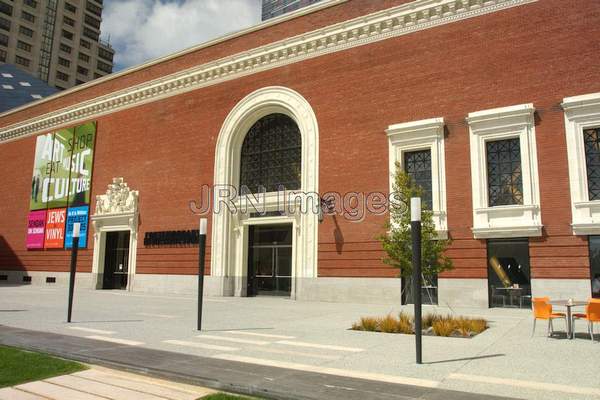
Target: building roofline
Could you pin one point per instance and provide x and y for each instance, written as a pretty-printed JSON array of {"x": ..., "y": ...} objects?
[{"x": 264, "y": 24}]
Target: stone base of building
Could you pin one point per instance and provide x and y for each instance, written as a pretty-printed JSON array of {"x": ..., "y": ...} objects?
[
  {"x": 451, "y": 292},
  {"x": 463, "y": 292},
  {"x": 563, "y": 289},
  {"x": 40, "y": 278},
  {"x": 350, "y": 290}
]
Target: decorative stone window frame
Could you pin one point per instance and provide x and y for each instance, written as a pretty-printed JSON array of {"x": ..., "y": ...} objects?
[
  {"x": 522, "y": 220},
  {"x": 581, "y": 112},
  {"x": 427, "y": 134}
]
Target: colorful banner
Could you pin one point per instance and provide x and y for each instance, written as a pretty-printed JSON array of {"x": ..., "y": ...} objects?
[
  {"x": 35, "y": 229},
  {"x": 62, "y": 177},
  {"x": 55, "y": 228},
  {"x": 82, "y": 148},
  {"x": 77, "y": 214},
  {"x": 42, "y": 166},
  {"x": 56, "y": 189}
]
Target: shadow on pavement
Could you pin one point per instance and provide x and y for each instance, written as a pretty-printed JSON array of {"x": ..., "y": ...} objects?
[{"x": 465, "y": 359}]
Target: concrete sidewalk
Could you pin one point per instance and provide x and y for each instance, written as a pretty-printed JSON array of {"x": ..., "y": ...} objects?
[
  {"x": 232, "y": 376},
  {"x": 100, "y": 383},
  {"x": 314, "y": 338}
]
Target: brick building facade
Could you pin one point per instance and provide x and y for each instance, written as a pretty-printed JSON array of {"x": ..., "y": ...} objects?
[{"x": 366, "y": 83}]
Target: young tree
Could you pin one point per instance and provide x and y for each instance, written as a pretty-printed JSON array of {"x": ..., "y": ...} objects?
[{"x": 397, "y": 242}]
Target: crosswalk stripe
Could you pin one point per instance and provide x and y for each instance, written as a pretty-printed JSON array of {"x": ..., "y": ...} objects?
[
  {"x": 402, "y": 380},
  {"x": 201, "y": 345},
  {"x": 236, "y": 340},
  {"x": 115, "y": 340},
  {"x": 266, "y": 335},
  {"x": 319, "y": 346},
  {"x": 90, "y": 330},
  {"x": 545, "y": 386},
  {"x": 296, "y": 353}
]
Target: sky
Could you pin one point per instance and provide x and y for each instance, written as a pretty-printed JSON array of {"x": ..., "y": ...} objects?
[{"x": 142, "y": 30}]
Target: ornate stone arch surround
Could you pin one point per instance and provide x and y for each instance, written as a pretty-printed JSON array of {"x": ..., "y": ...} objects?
[{"x": 230, "y": 230}]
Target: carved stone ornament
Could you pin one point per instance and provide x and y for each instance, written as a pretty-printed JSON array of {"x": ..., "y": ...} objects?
[{"x": 119, "y": 199}]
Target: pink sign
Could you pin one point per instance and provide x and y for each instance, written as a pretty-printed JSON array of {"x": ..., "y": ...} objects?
[{"x": 35, "y": 229}]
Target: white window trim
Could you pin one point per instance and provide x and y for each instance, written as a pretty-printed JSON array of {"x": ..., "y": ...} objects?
[
  {"x": 513, "y": 220},
  {"x": 426, "y": 134},
  {"x": 581, "y": 112}
]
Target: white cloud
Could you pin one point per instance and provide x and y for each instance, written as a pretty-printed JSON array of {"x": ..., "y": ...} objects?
[{"x": 141, "y": 30}]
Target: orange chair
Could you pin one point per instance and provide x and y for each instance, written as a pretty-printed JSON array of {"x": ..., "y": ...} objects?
[
  {"x": 592, "y": 314},
  {"x": 542, "y": 309}
]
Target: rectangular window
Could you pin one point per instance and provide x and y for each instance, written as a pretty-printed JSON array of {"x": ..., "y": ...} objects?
[
  {"x": 3, "y": 39},
  {"x": 68, "y": 21},
  {"x": 65, "y": 48},
  {"x": 22, "y": 61},
  {"x": 97, "y": 75},
  {"x": 67, "y": 34},
  {"x": 23, "y": 46},
  {"x": 106, "y": 54},
  {"x": 3, "y": 55},
  {"x": 26, "y": 31},
  {"x": 78, "y": 82},
  {"x": 85, "y": 43},
  {"x": 591, "y": 139},
  {"x": 91, "y": 34},
  {"x": 417, "y": 164},
  {"x": 62, "y": 76},
  {"x": 83, "y": 71},
  {"x": 4, "y": 24},
  {"x": 30, "y": 3},
  {"x": 70, "y": 7},
  {"x": 84, "y": 57},
  {"x": 594, "y": 244},
  {"x": 104, "y": 67},
  {"x": 509, "y": 278},
  {"x": 6, "y": 8},
  {"x": 64, "y": 62},
  {"x": 92, "y": 21},
  {"x": 94, "y": 9},
  {"x": 505, "y": 181},
  {"x": 28, "y": 17}
]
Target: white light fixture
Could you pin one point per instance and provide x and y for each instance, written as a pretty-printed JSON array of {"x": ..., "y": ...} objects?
[
  {"x": 76, "y": 229},
  {"x": 203, "y": 226},
  {"x": 415, "y": 209}
]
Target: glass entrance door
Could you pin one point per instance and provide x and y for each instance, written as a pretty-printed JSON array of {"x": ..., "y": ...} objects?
[
  {"x": 116, "y": 260},
  {"x": 270, "y": 260}
]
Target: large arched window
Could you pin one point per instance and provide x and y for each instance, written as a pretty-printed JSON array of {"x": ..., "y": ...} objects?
[{"x": 271, "y": 155}]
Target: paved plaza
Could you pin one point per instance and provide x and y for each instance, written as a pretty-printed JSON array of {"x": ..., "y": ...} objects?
[{"x": 314, "y": 338}]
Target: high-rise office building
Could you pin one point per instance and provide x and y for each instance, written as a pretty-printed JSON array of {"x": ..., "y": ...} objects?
[
  {"x": 57, "y": 41},
  {"x": 275, "y": 8}
]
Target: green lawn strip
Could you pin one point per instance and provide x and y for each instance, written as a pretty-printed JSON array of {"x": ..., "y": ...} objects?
[
  {"x": 20, "y": 366},
  {"x": 226, "y": 396}
]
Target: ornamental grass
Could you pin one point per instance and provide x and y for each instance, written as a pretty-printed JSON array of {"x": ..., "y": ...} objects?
[{"x": 432, "y": 324}]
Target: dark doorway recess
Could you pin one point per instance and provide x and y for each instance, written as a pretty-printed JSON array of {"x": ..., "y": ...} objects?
[
  {"x": 270, "y": 260},
  {"x": 116, "y": 260}
]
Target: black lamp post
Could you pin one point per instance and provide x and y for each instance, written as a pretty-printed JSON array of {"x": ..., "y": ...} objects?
[
  {"x": 201, "y": 255},
  {"x": 74, "y": 248},
  {"x": 415, "y": 230}
]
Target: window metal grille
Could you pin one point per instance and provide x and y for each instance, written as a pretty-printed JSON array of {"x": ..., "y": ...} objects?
[
  {"x": 591, "y": 139},
  {"x": 417, "y": 164},
  {"x": 271, "y": 155},
  {"x": 505, "y": 178}
]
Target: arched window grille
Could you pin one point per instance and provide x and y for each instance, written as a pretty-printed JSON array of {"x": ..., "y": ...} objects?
[{"x": 271, "y": 155}]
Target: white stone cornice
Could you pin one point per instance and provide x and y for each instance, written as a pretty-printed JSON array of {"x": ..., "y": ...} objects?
[
  {"x": 401, "y": 20},
  {"x": 585, "y": 101}
]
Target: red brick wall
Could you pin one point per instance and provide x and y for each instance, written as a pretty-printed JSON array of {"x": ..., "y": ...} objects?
[{"x": 536, "y": 53}]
